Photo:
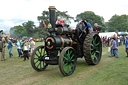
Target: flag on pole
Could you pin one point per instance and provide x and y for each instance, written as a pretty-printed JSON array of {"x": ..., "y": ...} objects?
[{"x": 44, "y": 24}]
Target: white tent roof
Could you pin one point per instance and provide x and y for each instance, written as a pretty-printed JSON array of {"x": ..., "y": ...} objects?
[{"x": 107, "y": 34}]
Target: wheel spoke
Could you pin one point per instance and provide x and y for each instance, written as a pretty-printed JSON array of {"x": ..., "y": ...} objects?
[
  {"x": 65, "y": 58},
  {"x": 73, "y": 60},
  {"x": 70, "y": 53},
  {"x": 97, "y": 44},
  {"x": 65, "y": 65},
  {"x": 72, "y": 65},
  {"x": 92, "y": 53},
  {"x": 65, "y": 70},
  {"x": 95, "y": 57},
  {"x": 92, "y": 45},
  {"x": 39, "y": 52},
  {"x": 69, "y": 68},
  {"x": 72, "y": 56},
  {"x": 38, "y": 65},
  {"x": 66, "y": 55},
  {"x": 93, "y": 42},
  {"x": 36, "y": 62},
  {"x": 97, "y": 51},
  {"x": 36, "y": 54},
  {"x": 95, "y": 39},
  {"x": 37, "y": 58},
  {"x": 91, "y": 49}
]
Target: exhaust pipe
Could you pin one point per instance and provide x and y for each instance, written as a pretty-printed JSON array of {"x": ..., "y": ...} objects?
[{"x": 52, "y": 16}]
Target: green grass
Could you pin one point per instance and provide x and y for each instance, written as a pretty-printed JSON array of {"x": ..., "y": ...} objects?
[{"x": 110, "y": 71}]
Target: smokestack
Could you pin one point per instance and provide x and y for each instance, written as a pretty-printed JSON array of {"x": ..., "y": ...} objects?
[{"x": 52, "y": 16}]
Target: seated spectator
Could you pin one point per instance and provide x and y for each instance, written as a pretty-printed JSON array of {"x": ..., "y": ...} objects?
[
  {"x": 89, "y": 30},
  {"x": 96, "y": 28}
]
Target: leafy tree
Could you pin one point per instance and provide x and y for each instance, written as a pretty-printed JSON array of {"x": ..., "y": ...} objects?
[
  {"x": 92, "y": 18},
  {"x": 29, "y": 26},
  {"x": 18, "y": 31},
  {"x": 118, "y": 23}
]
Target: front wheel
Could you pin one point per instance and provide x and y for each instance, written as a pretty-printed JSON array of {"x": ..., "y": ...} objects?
[
  {"x": 37, "y": 58},
  {"x": 67, "y": 61}
]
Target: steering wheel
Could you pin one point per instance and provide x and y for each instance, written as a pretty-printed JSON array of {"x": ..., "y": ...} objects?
[{"x": 80, "y": 33}]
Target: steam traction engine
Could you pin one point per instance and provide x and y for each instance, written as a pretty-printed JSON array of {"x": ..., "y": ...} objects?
[{"x": 64, "y": 46}]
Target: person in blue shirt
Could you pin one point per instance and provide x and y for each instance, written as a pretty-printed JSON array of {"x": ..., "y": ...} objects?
[
  {"x": 126, "y": 45},
  {"x": 116, "y": 39},
  {"x": 18, "y": 44},
  {"x": 114, "y": 48},
  {"x": 10, "y": 44},
  {"x": 89, "y": 30}
]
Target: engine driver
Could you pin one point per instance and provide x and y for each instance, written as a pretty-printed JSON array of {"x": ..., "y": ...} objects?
[{"x": 85, "y": 22}]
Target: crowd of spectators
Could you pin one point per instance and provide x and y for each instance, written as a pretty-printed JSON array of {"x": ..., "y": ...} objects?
[
  {"x": 24, "y": 48},
  {"x": 120, "y": 40},
  {"x": 113, "y": 42}
]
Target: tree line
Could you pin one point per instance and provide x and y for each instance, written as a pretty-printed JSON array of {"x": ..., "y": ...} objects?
[{"x": 29, "y": 29}]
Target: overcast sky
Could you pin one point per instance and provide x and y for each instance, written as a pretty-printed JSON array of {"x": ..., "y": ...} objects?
[{"x": 15, "y": 12}]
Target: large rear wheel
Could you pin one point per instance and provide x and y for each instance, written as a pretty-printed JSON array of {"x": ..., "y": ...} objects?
[
  {"x": 92, "y": 48},
  {"x": 67, "y": 61},
  {"x": 37, "y": 58}
]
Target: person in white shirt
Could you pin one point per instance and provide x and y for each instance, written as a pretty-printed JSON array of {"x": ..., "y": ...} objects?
[
  {"x": 25, "y": 46},
  {"x": 32, "y": 45}
]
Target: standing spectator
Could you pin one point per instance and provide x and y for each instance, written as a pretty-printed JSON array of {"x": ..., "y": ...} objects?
[
  {"x": 116, "y": 40},
  {"x": 10, "y": 44},
  {"x": 96, "y": 28},
  {"x": 18, "y": 44},
  {"x": 108, "y": 41},
  {"x": 114, "y": 48},
  {"x": 25, "y": 46},
  {"x": 32, "y": 45},
  {"x": 121, "y": 40},
  {"x": 126, "y": 45},
  {"x": 3, "y": 50},
  {"x": 104, "y": 41},
  {"x": 101, "y": 40}
]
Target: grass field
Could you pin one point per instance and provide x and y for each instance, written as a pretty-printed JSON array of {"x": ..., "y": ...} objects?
[{"x": 110, "y": 71}]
